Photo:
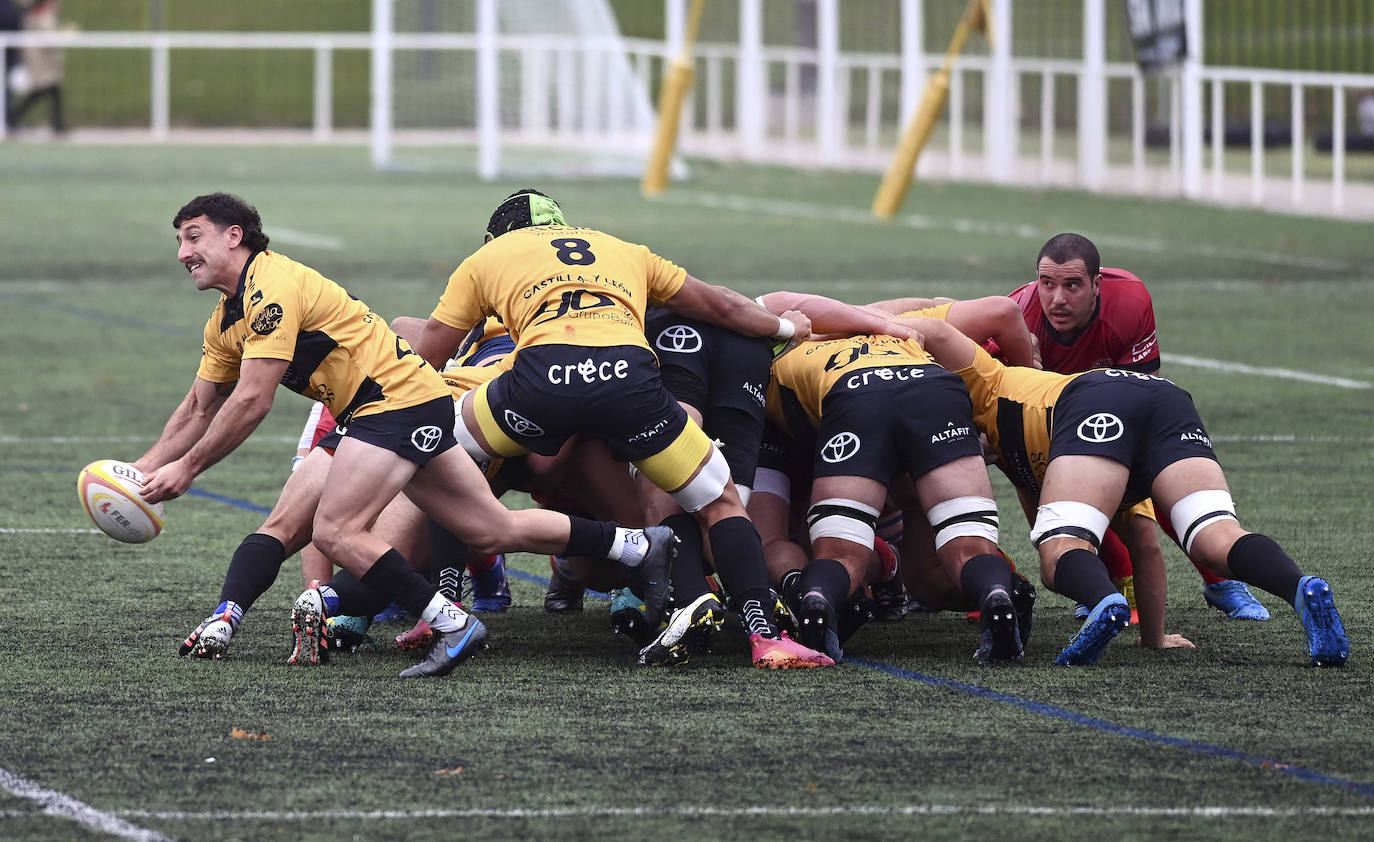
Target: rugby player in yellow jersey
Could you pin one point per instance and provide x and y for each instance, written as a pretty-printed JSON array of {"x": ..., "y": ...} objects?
[
  {"x": 574, "y": 300},
  {"x": 877, "y": 408},
  {"x": 1087, "y": 443},
  {"x": 279, "y": 321}
]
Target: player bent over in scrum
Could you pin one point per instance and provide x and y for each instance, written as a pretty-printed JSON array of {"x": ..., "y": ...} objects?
[
  {"x": 1112, "y": 435},
  {"x": 878, "y": 407},
  {"x": 280, "y": 321},
  {"x": 574, "y": 300}
]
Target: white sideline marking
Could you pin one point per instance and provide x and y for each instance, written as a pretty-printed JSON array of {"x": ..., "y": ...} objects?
[
  {"x": 305, "y": 238},
  {"x": 808, "y": 210},
  {"x": 5, "y": 530},
  {"x": 64, "y": 806},
  {"x": 1286, "y": 373},
  {"x": 689, "y": 812}
]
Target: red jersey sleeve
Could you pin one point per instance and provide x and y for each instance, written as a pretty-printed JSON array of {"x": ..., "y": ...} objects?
[{"x": 1129, "y": 316}]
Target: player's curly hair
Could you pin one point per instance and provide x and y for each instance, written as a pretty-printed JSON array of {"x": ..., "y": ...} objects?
[
  {"x": 522, "y": 209},
  {"x": 1062, "y": 248},
  {"x": 225, "y": 209}
]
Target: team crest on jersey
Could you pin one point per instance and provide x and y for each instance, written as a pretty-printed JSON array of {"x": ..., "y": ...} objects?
[
  {"x": 678, "y": 339},
  {"x": 841, "y": 446},
  {"x": 267, "y": 319}
]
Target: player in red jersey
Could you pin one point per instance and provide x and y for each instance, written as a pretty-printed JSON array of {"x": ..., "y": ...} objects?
[{"x": 1087, "y": 316}]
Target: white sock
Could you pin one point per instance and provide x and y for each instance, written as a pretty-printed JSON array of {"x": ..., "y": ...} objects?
[
  {"x": 629, "y": 546},
  {"x": 443, "y": 616}
]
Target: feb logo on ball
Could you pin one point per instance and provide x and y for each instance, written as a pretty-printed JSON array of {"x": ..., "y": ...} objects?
[{"x": 109, "y": 493}]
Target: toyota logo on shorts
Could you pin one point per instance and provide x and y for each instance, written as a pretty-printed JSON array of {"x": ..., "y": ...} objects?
[
  {"x": 522, "y": 426},
  {"x": 1101, "y": 427},
  {"x": 678, "y": 339},
  {"x": 426, "y": 439},
  {"x": 840, "y": 447}
]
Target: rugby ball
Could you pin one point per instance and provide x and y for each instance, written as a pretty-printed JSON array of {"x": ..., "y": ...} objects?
[{"x": 109, "y": 492}]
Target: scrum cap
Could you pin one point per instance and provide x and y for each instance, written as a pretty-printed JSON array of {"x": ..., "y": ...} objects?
[{"x": 523, "y": 209}]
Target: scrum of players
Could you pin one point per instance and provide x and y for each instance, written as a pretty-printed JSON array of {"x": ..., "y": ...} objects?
[{"x": 797, "y": 463}]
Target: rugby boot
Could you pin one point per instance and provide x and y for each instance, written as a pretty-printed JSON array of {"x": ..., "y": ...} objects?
[
  {"x": 782, "y": 652},
  {"x": 490, "y": 591},
  {"x": 211, "y": 638},
  {"x": 347, "y": 633},
  {"x": 670, "y": 648},
  {"x": 852, "y": 615},
  {"x": 1104, "y": 622},
  {"x": 417, "y": 637},
  {"x": 563, "y": 594},
  {"x": 1327, "y": 644},
  {"x": 648, "y": 576},
  {"x": 1234, "y": 599},
  {"x": 818, "y": 625},
  {"x": 1000, "y": 639},
  {"x": 628, "y": 616},
  {"x": 309, "y": 627},
  {"x": 451, "y": 649}
]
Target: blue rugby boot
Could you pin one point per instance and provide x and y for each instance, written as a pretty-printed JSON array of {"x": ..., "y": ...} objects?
[
  {"x": 1234, "y": 599},
  {"x": 1104, "y": 622},
  {"x": 1326, "y": 640}
]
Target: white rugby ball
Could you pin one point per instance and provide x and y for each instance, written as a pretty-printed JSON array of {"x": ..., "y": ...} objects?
[{"x": 109, "y": 491}]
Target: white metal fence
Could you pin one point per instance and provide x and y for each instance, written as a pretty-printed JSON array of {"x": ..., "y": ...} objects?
[{"x": 823, "y": 107}]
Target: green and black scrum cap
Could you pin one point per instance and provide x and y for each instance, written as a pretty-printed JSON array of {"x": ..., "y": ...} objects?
[{"x": 522, "y": 209}]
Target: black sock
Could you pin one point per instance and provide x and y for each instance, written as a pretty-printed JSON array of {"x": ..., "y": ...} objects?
[
  {"x": 253, "y": 569},
  {"x": 392, "y": 577},
  {"x": 827, "y": 576},
  {"x": 983, "y": 574},
  {"x": 1081, "y": 576},
  {"x": 592, "y": 538},
  {"x": 355, "y": 598},
  {"x": 448, "y": 558},
  {"x": 738, "y": 551},
  {"x": 1258, "y": 560},
  {"x": 688, "y": 573}
]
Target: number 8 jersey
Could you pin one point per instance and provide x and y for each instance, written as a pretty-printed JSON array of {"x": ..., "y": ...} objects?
[{"x": 562, "y": 286}]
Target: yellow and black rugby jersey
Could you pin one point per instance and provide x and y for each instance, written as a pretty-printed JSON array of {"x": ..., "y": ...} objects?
[
  {"x": 1014, "y": 406},
  {"x": 465, "y": 378},
  {"x": 342, "y": 354},
  {"x": 805, "y": 375},
  {"x": 564, "y": 286}
]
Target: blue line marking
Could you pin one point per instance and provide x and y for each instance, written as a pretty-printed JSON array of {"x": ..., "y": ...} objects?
[
  {"x": 1053, "y": 711},
  {"x": 1040, "y": 708},
  {"x": 105, "y": 317},
  {"x": 530, "y": 577},
  {"x": 232, "y": 501}
]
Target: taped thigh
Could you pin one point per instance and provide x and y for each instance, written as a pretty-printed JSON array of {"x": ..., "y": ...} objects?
[
  {"x": 974, "y": 517},
  {"x": 837, "y": 517},
  {"x": 1069, "y": 519},
  {"x": 1197, "y": 510}
]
